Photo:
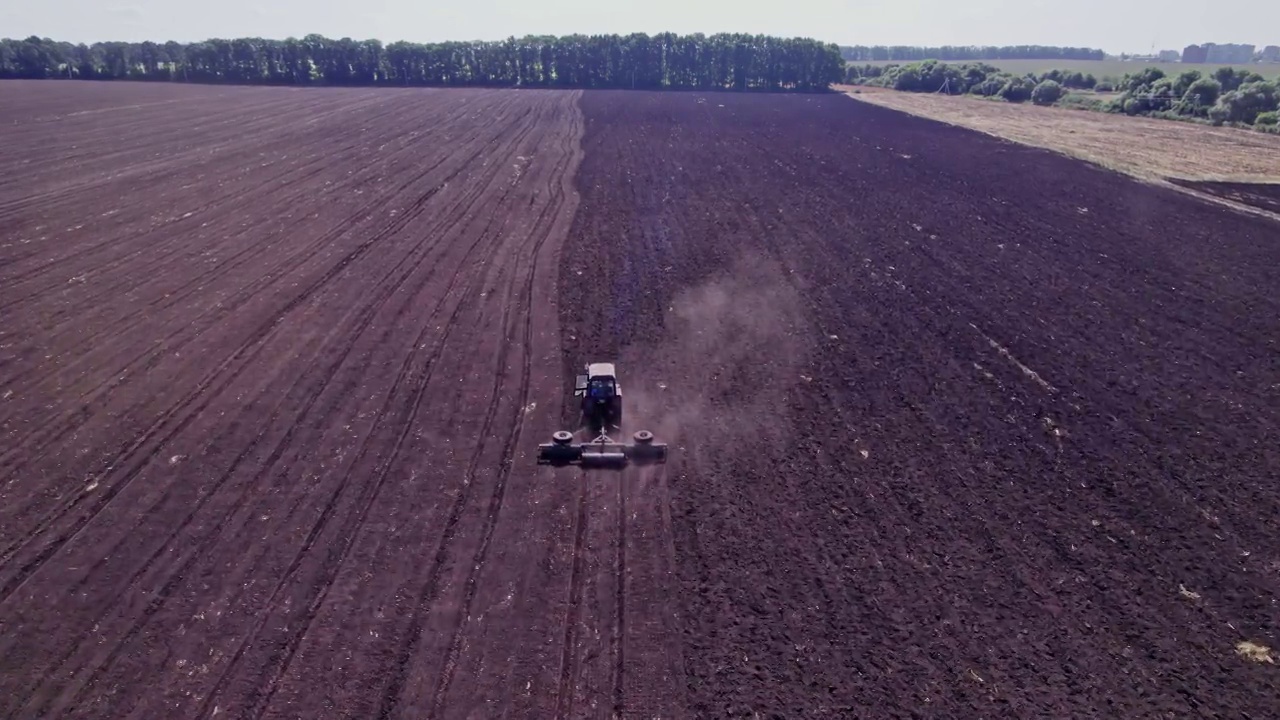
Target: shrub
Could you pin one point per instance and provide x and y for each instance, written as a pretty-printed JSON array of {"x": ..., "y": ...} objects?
[
  {"x": 1081, "y": 101},
  {"x": 1133, "y": 105},
  {"x": 1201, "y": 95},
  {"x": 1185, "y": 81},
  {"x": 1244, "y": 104},
  {"x": 989, "y": 87},
  {"x": 1232, "y": 79},
  {"x": 1017, "y": 90},
  {"x": 1270, "y": 118},
  {"x": 908, "y": 80},
  {"x": 1147, "y": 76},
  {"x": 1046, "y": 93},
  {"x": 1104, "y": 87}
]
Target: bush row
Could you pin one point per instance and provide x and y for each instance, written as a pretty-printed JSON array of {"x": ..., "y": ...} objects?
[
  {"x": 971, "y": 78},
  {"x": 1229, "y": 96}
]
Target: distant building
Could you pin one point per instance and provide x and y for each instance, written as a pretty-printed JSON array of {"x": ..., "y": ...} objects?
[
  {"x": 1230, "y": 53},
  {"x": 1270, "y": 53},
  {"x": 1225, "y": 54},
  {"x": 1169, "y": 56}
]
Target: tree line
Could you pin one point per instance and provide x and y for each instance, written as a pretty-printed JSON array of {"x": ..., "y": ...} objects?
[
  {"x": 863, "y": 53},
  {"x": 1229, "y": 96},
  {"x": 976, "y": 78},
  {"x": 663, "y": 61}
]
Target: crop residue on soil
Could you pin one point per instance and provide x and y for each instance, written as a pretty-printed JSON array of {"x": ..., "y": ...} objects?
[{"x": 958, "y": 427}]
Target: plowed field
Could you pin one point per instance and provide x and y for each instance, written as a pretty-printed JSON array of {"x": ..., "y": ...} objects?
[
  {"x": 1260, "y": 195},
  {"x": 959, "y": 428}
]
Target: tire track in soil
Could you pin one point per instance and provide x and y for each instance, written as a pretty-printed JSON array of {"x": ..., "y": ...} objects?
[
  {"x": 257, "y": 338},
  {"x": 146, "y": 169},
  {"x": 417, "y": 397},
  {"x": 276, "y": 452},
  {"x": 287, "y": 201},
  {"x": 516, "y": 306},
  {"x": 568, "y": 657},
  {"x": 494, "y": 636},
  {"x": 248, "y": 293},
  {"x": 193, "y": 554},
  {"x": 592, "y": 650},
  {"x": 12, "y": 582},
  {"x": 253, "y": 288},
  {"x": 523, "y": 310},
  {"x": 86, "y": 340},
  {"x": 619, "y": 637},
  {"x": 386, "y": 289},
  {"x": 349, "y": 534}
]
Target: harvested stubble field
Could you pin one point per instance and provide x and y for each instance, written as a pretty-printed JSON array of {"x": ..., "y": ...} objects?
[{"x": 959, "y": 427}]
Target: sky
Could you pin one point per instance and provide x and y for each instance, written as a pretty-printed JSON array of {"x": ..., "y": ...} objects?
[{"x": 1113, "y": 25}]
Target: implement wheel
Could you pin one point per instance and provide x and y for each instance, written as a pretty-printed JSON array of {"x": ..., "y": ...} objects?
[{"x": 644, "y": 437}]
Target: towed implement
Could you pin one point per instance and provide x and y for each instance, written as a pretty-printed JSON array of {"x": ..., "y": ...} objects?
[{"x": 601, "y": 412}]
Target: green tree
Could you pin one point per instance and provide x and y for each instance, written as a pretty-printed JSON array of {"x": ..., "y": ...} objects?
[
  {"x": 1047, "y": 92},
  {"x": 1246, "y": 103},
  {"x": 1185, "y": 81},
  {"x": 1136, "y": 82},
  {"x": 1017, "y": 90},
  {"x": 722, "y": 61},
  {"x": 1199, "y": 97}
]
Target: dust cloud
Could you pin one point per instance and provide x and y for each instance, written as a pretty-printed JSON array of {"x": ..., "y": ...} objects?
[{"x": 734, "y": 348}]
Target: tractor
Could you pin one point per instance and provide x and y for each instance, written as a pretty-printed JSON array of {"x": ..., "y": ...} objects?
[
  {"x": 600, "y": 413},
  {"x": 601, "y": 398}
]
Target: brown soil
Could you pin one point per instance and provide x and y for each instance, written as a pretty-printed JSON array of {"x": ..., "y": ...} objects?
[
  {"x": 958, "y": 421},
  {"x": 269, "y": 364},
  {"x": 959, "y": 427}
]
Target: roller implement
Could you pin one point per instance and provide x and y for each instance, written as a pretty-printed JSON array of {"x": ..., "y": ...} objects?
[{"x": 601, "y": 413}]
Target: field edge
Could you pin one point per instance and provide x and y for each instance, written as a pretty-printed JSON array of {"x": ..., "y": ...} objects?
[{"x": 1156, "y": 179}]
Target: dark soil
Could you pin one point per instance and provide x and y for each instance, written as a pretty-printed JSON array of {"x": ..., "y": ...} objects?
[
  {"x": 267, "y": 373},
  {"x": 965, "y": 429},
  {"x": 1260, "y": 195},
  {"x": 958, "y": 428}
]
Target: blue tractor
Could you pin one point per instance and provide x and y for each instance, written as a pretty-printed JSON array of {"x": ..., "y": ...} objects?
[{"x": 601, "y": 413}]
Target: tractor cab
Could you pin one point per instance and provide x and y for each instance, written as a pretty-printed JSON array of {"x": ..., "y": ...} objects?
[
  {"x": 601, "y": 396},
  {"x": 598, "y": 383}
]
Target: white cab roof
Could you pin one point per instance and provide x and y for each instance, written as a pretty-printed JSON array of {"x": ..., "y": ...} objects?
[{"x": 598, "y": 369}]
